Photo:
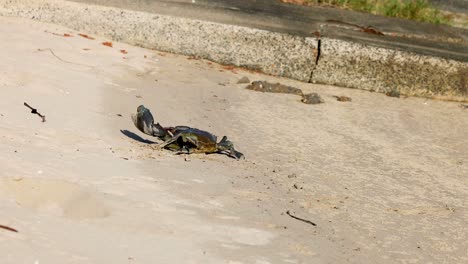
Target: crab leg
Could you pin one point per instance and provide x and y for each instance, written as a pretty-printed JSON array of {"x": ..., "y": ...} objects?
[
  {"x": 175, "y": 138},
  {"x": 184, "y": 150},
  {"x": 233, "y": 153},
  {"x": 169, "y": 141}
]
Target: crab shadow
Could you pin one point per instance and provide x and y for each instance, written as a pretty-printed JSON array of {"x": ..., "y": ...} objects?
[{"x": 136, "y": 137}]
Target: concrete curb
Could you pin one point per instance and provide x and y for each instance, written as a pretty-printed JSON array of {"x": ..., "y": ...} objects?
[
  {"x": 355, "y": 65},
  {"x": 342, "y": 63}
]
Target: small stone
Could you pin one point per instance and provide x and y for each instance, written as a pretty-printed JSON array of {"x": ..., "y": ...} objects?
[
  {"x": 343, "y": 98},
  {"x": 312, "y": 98},
  {"x": 244, "y": 79},
  {"x": 393, "y": 93},
  {"x": 266, "y": 87},
  {"x": 17, "y": 178}
]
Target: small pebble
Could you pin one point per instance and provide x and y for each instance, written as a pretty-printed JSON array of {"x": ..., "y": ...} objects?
[
  {"x": 312, "y": 98},
  {"x": 393, "y": 93},
  {"x": 343, "y": 98},
  {"x": 244, "y": 79}
]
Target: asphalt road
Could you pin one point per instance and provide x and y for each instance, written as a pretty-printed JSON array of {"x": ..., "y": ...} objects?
[{"x": 460, "y": 6}]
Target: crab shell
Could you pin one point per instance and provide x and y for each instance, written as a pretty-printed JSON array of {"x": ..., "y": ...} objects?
[{"x": 192, "y": 139}]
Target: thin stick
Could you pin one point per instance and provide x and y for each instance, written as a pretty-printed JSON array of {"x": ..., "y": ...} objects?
[
  {"x": 300, "y": 219},
  {"x": 9, "y": 228},
  {"x": 34, "y": 111},
  {"x": 52, "y": 52}
]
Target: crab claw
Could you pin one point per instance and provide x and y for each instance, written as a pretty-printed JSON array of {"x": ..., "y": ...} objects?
[
  {"x": 237, "y": 155},
  {"x": 144, "y": 120},
  {"x": 226, "y": 146}
]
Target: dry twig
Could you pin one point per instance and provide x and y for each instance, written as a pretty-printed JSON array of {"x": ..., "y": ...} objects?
[
  {"x": 8, "y": 228},
  {"x": 60, "y": 59},
  {"x": 301, "y": 219},
  {"x": 34, "y": 111}
]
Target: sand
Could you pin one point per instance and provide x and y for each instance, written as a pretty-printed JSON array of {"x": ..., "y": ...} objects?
[{"x": 384, "y": 179}]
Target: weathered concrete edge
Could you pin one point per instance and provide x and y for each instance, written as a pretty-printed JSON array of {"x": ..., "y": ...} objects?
[
  {"x": 342, "y": 63},
  {"x": 355, "y": 65}
]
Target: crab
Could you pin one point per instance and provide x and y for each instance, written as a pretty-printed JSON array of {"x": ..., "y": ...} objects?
[{"x": 183, "y": 139}]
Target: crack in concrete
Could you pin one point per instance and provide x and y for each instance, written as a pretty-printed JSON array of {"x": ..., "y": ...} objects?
[{"x": 319, "y": 50}]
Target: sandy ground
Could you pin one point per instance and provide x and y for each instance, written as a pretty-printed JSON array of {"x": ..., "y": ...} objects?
[{"x": 384, "y": 179}]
